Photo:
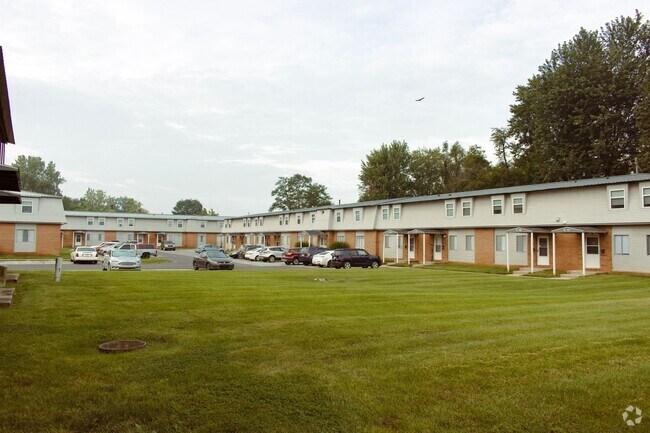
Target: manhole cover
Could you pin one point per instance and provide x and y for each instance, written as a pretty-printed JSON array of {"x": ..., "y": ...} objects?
[{"x": 121, "y": 346}]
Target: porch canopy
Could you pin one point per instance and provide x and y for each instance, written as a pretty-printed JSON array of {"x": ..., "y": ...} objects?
[
  {"x": 582, "y": 231},
  {"x": 397, "y": 234},
  {"x": 424, "y": 240},
  {"x": 7, "y": 197},
  {"x": 310, "y": 233},
  {"x": 530, "y": 231}
]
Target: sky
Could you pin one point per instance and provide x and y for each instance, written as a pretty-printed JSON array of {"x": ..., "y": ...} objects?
[{"x": 165, "y": 100}]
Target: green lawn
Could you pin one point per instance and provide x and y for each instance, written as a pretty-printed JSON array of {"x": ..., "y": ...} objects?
[
  {"x": 368, "y": 350},
  {"x": 485, "y": 269}
]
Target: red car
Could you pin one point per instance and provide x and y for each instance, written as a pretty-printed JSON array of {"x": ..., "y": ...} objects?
[{"x": 291, "y": 257}]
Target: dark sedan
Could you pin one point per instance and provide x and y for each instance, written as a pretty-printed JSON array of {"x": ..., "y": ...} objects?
[{"x": 212, "y": 259}]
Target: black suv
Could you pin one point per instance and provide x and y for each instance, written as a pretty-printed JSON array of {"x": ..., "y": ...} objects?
[
  {"x": 349, "y": 257},
  {"x": 308, "y": 253}
]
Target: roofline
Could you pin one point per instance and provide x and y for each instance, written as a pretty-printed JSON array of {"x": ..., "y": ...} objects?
[{"x": 6, "y": 128}]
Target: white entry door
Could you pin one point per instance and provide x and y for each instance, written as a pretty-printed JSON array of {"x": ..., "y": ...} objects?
[
  {"x": 78, "y": 239},
  {"x": 437, "y": 247},
  {"x": 542, "y": 251},
  {"x": 411, "y": 247},
  {"x": 592, "y": 260}
]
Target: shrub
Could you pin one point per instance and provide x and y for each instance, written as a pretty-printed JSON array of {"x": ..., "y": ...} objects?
[
  {"x": 301, "y": 244},
  {"x": 335, "y": 245}
]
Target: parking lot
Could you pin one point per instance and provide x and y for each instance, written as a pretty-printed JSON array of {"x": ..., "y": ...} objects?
[{"x": 180, "y": 259}]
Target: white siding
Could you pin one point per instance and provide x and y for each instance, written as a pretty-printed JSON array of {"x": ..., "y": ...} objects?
[
  {"x": 461, "y": 254},
  {"x": 638, "y": 260}
]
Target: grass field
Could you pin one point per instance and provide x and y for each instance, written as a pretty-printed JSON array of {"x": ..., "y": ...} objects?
[{"x": 368, "y": 350}]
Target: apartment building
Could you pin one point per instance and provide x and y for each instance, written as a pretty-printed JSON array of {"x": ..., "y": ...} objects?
[
  {"x": 92, "y": 228},
  {"x": 598, "y": 224},
  {"x": 32, "y": 226}
]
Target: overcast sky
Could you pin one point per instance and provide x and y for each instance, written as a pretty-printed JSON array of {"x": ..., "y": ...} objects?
[{"x": 214, "y": 100}]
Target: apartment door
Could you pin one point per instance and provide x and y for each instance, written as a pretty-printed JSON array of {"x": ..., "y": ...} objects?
[
  {"x": 160, "y": 238},
  {"x": 78, "y": 239},
  {"x": 437, "y": 247},
  {"x": 592, "y": 260},
  {"x": 542, "y": 251},
  {"x": 411, "y": 246}
]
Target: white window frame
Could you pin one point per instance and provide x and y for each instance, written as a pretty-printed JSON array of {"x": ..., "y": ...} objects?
[
  {"x": 24, "y": 206},
  {"x": 31, "y": 236},
  {"x": 624, "y": 197},
  {"x": 358, "y": 215},
  {"x": 101, "y": 222},
  {"x": 203, "y": 224},
  {"x": 170, "y": 223},
  {"x": 312, "y": 216},
  {"x": 522, "y": 204},
  {"x": 450, "y": 206},
  {"x": 286, "y": 220},
  {"x": 179, "y": 224},
  {"x": 645, "y": 192},
  {"x": 281, "y": 220},
  {"x": 500, "y": 243},
  {"x": 298, "y": 218},
  {"x": 339, "y": 216},
  {"x": 453, "y": 242},
  {"x": 90, "y": 221},
  {"x": 463, "y": 208},
  {"x": 469, "y": 241},
  {"x": 261, "y": 220},
  {"x": 622, "y": 245},
  {"x": 493, "y": 201},
  {"x": 647, "y": 245},
  {"x": 130, "y": 222},
  {"x": 385, "y": 213},
  {"x": 397, "y": 212},
  {"x": 523, "y": 243},
  {"x": 340, "y": 237}
]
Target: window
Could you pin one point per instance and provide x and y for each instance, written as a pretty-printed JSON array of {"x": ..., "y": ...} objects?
[
  {"x": 27, "y": 206},
  {"x": 255, "y": 222},
  {"x": 397, "y": 212},
  {"x": 357, "y": 215},
  {"x": 521, "y": 244},
  {"x": 622, "y": 245},
  {"x": 387, "y": 241},
  {"x": 261, "y": 221},
  {"x": 500, "y": 243},
  {"x": 453, "y": 242},
  {"x": 179, "y": 224},
  {"x": 360, "y": 240},
  {"x": 384, "y": 214},
  {"x": 645, "y": 196},
  {"x": 313, "y": 218},
  {"x": 131, "y": 222},
  {"x": 339, "y": 217},
  {"x": 469, "y": 242},
  {"x": 101, "y": 222},
  {"x": 617, "y": 199},
  {"x": 25, "y": 235},
  {"x": 449, "y": 210},
  {"x": 90, "y": 221},
  {"x": 497, "y": 206},
  {"x": 170, "y": 223},
  {"x": 202, "y": 224},
  {"x": 298, "y": 218},
  {"x": 281, "y": 219},
  {"x": 647, "y": 245},
  {"x": 467, "y": 208},
  {"x": 340, "y": 238},
  {"x": 518, "y": 205}
]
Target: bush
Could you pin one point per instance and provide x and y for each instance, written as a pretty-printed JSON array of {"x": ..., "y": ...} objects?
[
  {"x": 301, "y": 244},
  {"x": 336, "y": 245}
]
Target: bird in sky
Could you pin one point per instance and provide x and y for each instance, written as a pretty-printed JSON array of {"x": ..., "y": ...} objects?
[{"x": 418, "y": 100}]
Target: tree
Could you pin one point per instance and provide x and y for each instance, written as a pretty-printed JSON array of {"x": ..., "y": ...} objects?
[
  {"x": 97, "y": 200},
  {"x": 298, "y": 192},
  {"x": 36, "y": 176},
  {"x": 189, "y": 206},
  {"x": 385, "y": 173},
  {"x": 582, "y": 114}
]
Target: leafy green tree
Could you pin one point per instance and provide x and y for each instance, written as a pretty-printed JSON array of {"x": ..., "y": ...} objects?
[
  {"x": 386, "y": 173},
  {"x": 298, "y": 192},
  {"x": 189, "y": 206},
  {"x": 97, "y": 200},
  {"x": 582, "y": 114},
  {"x": 426, "y": 167},
  {"x": 37, "y": 176}
]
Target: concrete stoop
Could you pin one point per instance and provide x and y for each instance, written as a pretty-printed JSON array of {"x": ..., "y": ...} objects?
[{"x": 6, "y": 296}]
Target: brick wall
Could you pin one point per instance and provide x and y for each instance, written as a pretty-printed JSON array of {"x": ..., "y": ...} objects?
[
  {"x": 484, "y": 246},
  {"x": 7, "y": 233},
  {"x": 371, "y": 243},
  {"x": 48, "y": 239},
  {"x": 568, "y": 247},
  {"x": 190, "y": 240}
]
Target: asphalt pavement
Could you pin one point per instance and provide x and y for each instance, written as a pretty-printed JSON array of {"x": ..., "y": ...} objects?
[{"x": 177, "y": 260}]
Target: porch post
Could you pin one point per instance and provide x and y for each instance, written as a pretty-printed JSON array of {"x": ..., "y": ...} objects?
[
  {"x": 396, "y": 247},
  {"x": 383, "y": 248},
  {"x": 408, "y": 249},
  {"x": 532, "y": 269},
  {"x": 584, "y": 265},
  {"x": 424, "y": 248},
  {"x": 553, "y": 237},
  {"x": 508, "y": 251}
]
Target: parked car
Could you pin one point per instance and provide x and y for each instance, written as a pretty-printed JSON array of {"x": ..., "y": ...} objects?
[
  {"x": 291, "y": 257},
  {"x": 322, "y": 259},
  {"x": 145, "y": 251},
  {"x": 239, "y": 253},
  {"x": 109, "y": 246},
  {"x": 121, "y": 260},
  {"x": 271, "y": 254},
  {"x": 253, "y": 253},
  {"x": 205, "y": 247},
  {"x": 83, "y": 254},
  {"x": 212, "y": 259},
  {"x": 307, "y": 254},
  {"x": 102, "y": 244},
  {"x": 168, "y": 245},
  {"x": 354, "y": 257}
]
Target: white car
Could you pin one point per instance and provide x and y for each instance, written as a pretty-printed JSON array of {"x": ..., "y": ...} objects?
[
  {"x": 271, "y": 254},
  {"x": 252, "y": 254},
  {"x": 121, "y": 260},
  {"x": 83, "y": 254},
  {"x": 322, "y": 259},
  {"x": 103, "y": 249}
]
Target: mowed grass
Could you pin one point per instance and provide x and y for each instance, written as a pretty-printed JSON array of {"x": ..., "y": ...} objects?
[{"x": 368, "y": 350}]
